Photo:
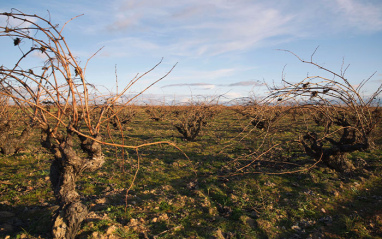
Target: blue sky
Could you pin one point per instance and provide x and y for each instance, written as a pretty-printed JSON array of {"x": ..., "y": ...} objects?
[{"x": 224, "y": 47}]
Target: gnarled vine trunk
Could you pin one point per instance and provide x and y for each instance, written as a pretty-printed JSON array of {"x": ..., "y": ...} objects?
[
  {"x": 10, "y": 142},
  {"x": 65, "y": 170},
  {"x": 334, "y": 156}
]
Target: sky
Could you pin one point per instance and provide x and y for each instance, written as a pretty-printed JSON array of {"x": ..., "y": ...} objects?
[{"x": 226, "y": 49}]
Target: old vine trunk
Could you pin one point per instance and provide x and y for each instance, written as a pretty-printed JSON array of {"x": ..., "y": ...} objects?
[{"x": 65, "y": 170}]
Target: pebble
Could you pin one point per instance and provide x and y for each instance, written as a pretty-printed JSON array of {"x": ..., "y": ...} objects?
[{"x": 296, "y": 228}]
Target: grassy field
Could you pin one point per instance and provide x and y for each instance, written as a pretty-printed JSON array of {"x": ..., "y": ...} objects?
[{"x": 233, "y": 181}]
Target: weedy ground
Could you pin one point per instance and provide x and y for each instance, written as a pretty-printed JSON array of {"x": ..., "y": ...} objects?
[{"x": 222, "y": 190}]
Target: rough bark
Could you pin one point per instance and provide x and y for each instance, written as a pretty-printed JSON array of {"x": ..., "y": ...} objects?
[
  {"x": 68, "y": 219},
  {"x": 339, "y": 162},
  {"x": 64, "y": 172},
  {"x": 10, "y": 142},
  {"x": 335, "y": 156}
]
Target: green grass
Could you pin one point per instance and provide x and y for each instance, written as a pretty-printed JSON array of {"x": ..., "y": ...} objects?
[{"x": 177, "y": 197}]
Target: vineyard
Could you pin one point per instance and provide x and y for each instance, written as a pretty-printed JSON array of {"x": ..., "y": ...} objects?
[
  {"x": 303, "y": 162},
  {"x": 237, "y": 181}
]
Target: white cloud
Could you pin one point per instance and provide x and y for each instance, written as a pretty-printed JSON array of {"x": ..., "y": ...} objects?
[
  {"x": 194, "y": 28},
  {"x": 234, "y": 95},
  {"x": 246, "y": 83},
  {"x": 127, "y": 46},
  {"x": 204, "y": 86},
  {"x": 13, "y": 22},
  {"x": 191, "y": 76},
  {"x": 39, "y": 55},
  {"x": 363, "y": 15}
]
